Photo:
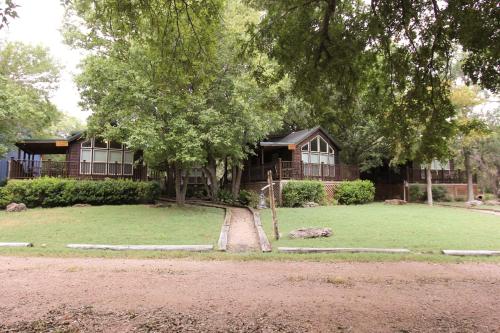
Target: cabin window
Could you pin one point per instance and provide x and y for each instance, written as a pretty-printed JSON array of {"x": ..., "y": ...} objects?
[
  {"x": 105, "y": 158},
  {"x": 437, "y": 165},
  {"x": 316, "y": 152}
]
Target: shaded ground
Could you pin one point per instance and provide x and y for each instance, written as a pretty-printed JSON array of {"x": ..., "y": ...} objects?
[
  {"x": 242, "y": 234},
  {"x": 45, "y": 294}
]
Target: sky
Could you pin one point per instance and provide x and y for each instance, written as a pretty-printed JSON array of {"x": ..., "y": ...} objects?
[{"x": 39, "y": 22}]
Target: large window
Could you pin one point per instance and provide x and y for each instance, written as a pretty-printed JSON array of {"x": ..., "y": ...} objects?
[
  {"x": 317, "y": 154},
  {"x": 101, "y": 157}
]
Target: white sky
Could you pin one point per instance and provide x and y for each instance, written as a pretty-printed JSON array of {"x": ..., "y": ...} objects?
[{"x": 39, "y": 22}]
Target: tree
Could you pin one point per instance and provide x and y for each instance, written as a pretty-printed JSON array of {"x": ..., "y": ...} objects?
[
  {"x": 328, "y": 46},
  {"x": 470, "y": 128},
  {"x": 27, "y": 77},
  {"x": 7, "y": 11},
  {"x": 186, "y": 108}
]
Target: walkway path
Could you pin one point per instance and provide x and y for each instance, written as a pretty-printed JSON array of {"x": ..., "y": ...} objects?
[{"x": 242, "y": 233}]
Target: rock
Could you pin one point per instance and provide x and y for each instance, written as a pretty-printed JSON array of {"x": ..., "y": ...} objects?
[
  {"x": 492, "y": 202},
  {"x": 310, "y": 233},
  {"x": 473, "y": 203},
  {"x": 15, "y": 207},
  {"x": 82, "y": 205},
  {"x": 395, "y": 202},
  {"x": 309, "y": 204}
]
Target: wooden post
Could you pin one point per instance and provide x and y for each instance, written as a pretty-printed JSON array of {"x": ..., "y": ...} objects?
[
  {"x": 280, "y": 168},
  {"x": 273, "y": 204},
  {"x": 321, "y": 165}
]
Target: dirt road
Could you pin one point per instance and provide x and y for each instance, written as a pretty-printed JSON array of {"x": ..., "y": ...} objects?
[{"x": 117, "y": 295}]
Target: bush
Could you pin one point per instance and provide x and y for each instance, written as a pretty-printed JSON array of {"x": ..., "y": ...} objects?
[
  {"x": 439, "y": 193},
  {"x": 248, "y": 198},
  {"x": 416, "y": 193},
  {"x": 226, "y": 197},
  {"x": 355, "y": 192},
  {"x": 297, "y": 193},
  {"x": 419, "y": 193},
  {"x": 57, "y": 192}
]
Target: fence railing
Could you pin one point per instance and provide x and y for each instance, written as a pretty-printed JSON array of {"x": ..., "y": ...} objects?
[
  {"x": 299, "y": 170},
  {"x": 439, "y": 176},
  {"x": 25, "y": 169}
]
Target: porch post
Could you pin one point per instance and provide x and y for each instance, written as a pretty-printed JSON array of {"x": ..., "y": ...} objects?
[
  {"x": 9, "y": 168},
  {"x": 280, "y": 173},
  {"x": 321, "y": 170}
]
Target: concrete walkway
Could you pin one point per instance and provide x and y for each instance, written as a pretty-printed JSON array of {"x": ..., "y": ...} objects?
[{"x": 242, "y": 233}]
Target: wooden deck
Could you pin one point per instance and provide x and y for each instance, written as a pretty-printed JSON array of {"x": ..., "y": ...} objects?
[{"x": 283, "y": 170}]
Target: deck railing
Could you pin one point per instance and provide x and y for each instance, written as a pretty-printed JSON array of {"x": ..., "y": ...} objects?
[
  {"x": 26, "y": 169},
  {"x": 439, "y": 176},
  {"x": 299, "y": 170}
]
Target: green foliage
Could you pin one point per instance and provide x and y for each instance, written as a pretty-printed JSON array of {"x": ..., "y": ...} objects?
[
  {"x": 55, "y": 192},
  {"x": 248, "y": 198},
  {"x": 226, "y": 197},
  {"x": 355, "y": 192},
  {"x": 418, "y": 193},
  {"x": 27, "y": 77},
  {"x": 296, "y": 193}
]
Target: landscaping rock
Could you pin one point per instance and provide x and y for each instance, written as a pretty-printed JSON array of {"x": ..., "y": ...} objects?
[
  {"x": 310, "y": 233},
  {"x": 15, "y": 207},
  {"x": 395, "y": 202},
  {"x": 473, "y": 203},
  {"x": 492, "y": 202},
  {"x": 309, "y": 204},
  {"x": 82, "y": 205}
]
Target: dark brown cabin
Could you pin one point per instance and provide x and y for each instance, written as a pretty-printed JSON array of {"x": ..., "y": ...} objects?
[
  {"x": 306, "y": 154},
  {"x": 82, "y": 158}
]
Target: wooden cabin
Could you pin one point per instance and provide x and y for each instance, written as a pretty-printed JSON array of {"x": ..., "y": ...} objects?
[
  {"x": 76, "y": 157},
  {"x": 306, "y": 154}
]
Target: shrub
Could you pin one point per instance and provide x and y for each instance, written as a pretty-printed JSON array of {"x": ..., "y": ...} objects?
[
  {"x": 416, "y": 193},
  {"x": 439, "y": 193},
  {"x": 248, "y": 198},
  {"x": 296, "y": 193},
  {"x": 226, "y": 196},
  {"x": 355, "y": 192},
  {"x": 56, "y": 192}
]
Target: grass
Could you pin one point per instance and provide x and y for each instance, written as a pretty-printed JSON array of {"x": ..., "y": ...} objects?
[
  {"x": 417, "y": 227},
  {"x": 134, "y": 224}
]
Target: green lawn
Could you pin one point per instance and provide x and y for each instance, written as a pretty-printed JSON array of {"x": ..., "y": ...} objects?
[
  {"x": 132, "y": 224},
  {"x": 416, "y": 227}
]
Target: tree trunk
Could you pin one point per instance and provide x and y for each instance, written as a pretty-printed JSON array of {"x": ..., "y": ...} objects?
[
  {"x": 236, "y": 180},
  {"x": 428, "y": 177},
  {"x": 211, "y": 172},
  {"x": 468, "y": 172},
  {"x": 170, "y": 181},
  {"x": 180, "y": 186}
]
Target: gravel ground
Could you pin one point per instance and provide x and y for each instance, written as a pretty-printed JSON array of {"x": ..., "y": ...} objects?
[{"x": 128, "y": 295}]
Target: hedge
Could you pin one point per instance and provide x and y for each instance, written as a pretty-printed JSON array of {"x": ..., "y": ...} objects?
[
  {"x": 297, "y": 193},
  {"x": 419, "y": 193},
  {"x": 57, "y": 192},
  {"x": 355, "y": 192}
]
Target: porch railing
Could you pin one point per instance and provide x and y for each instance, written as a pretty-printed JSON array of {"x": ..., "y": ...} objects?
[
  {"x": 299, "y": 170},
  {"x": 439, "y": 176},
  {"x": 26, "y": 169}
]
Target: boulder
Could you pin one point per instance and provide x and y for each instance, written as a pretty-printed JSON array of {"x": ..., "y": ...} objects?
[
  {"x": 310, "y": 233},
  {"x": 395, "y": 202},
  {"x": 473, "y": 203},
  {"x": 16, "y": 207},
  {"x": 81, "y": 205},
  {"x": 309, "y": 204}
]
